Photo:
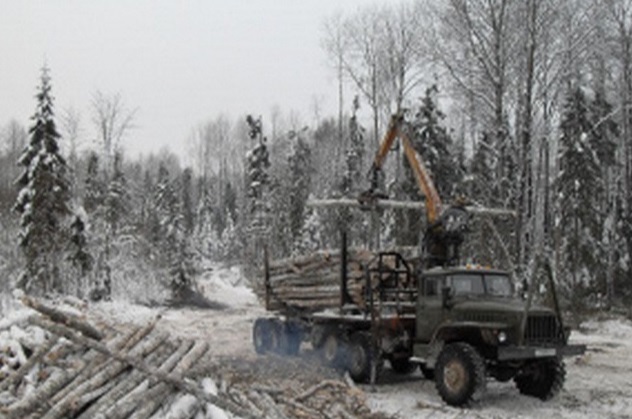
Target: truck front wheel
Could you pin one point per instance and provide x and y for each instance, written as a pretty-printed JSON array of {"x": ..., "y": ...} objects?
[
  {"x": 459, "y": 374},
  {"x": 542, "y": 379}
]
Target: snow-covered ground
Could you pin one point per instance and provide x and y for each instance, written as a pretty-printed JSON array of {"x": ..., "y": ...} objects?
[{"x": 598, "y": 385}]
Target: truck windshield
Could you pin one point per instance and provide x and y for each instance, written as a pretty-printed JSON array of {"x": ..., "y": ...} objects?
[
  {"x": 498, "y": 285},
  {"x": 468, "y": 284},
  {"x": 479, "y": 284}
]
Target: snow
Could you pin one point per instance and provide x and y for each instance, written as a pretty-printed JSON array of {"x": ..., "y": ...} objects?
[
  {"x": 125, "y": 312},
  {"x": 227, "y": 285}
]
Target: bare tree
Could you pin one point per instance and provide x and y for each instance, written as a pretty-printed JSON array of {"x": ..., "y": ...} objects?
[
  {"x": 620, "y": 16},
  {"x": 363, "y": 62},
  {"x": 71, "y": 131},
  {"x": 112, "y": 120},
  {"x": 14, "y": 138},
  {"x": 404, "y": 52},
  {"x": 335, "y": 44},
  {"x": 476, "y": 47}
]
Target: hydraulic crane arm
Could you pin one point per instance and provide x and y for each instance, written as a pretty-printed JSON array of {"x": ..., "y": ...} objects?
[
  {"x": 433, "y": 201},
  {"x": 424, "y": 181}
]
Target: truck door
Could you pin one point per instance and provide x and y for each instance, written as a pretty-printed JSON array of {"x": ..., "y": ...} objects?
[{"x": 429, "y": 307}]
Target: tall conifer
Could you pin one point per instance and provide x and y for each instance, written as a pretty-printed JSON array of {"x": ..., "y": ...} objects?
[{"x": 44, "y": 198}]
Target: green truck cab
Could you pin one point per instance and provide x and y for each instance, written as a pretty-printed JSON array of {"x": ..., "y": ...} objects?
[{"x": 470, "y": 325}]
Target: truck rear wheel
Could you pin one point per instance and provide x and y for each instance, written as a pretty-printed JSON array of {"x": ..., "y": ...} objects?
[
  {"x": 459, "y": 374},
  {"x": 359, "y": 358},
  {"x": 264, "y": 336},
  {"x": 542, "y": 379},
  {"x": 333, "y": 348}
]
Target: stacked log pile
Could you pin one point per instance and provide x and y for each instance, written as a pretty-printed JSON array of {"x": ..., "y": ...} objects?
[
  {"x": 81, "y": 371},
  {"x": 312, "y": 282},
  {"x": 78, "y": 369}
]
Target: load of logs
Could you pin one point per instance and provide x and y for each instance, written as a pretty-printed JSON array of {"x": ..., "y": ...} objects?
[
  {"x": 76, "y": 369},
  {"x": 313, "y": 282}
]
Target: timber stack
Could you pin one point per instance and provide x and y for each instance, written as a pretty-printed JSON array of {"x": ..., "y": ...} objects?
[
  {"x": 81, "y": 371},
  {"x": 312, "y": 282}
]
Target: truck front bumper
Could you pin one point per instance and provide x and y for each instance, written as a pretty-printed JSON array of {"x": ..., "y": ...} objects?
[{"x": 512, "y": 353}]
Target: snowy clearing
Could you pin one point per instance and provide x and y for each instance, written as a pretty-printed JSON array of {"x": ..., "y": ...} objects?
[{"x": 599, "y": 383}]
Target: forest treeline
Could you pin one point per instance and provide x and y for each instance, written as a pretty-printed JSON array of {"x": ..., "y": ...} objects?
[{"x": 516, "y": 104}]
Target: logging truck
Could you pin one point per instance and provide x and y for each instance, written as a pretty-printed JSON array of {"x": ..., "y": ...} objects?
[{"x": 458, "y": 324}]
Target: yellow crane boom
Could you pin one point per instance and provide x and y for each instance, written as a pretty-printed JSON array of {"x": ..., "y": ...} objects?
[{"x": 398, "y": 129}]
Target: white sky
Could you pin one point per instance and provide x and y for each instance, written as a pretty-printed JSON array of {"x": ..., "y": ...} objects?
[{"x": 180, "y": 62}]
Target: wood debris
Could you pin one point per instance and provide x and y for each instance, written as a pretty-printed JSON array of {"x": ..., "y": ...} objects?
[{"x": 80, "y": 370}]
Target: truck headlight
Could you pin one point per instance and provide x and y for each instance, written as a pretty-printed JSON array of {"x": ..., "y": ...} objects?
[{"x": 502, "y": 337}]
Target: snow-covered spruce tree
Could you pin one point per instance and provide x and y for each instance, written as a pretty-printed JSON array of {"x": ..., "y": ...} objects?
[
  {"x": 300, "y": 169},
  {"x": 170, "y": 221},
  {"x": 435, "y": 145},
  {"x": 188, "y": 215},
  {"x": 94, "y": 194},
  {"x": 230, "y": 201},
  {"x": 352, "y": 178},
  {"x": 78, "y": 253},
  {"x": 107, "y": 204},
  {"x": 257, "y": 185},
  {"x": 44, "y": 198},
  {"x": 205, "y": 233},
  {"x": 579, "y": 187},
  {"x": 354, "y": 157},
  {"x": 230, "y": 243},
  {"x": 149, "y": 220},
  {"x": 279, "y": 235},
  {"x": 310, "y": 238},
  {"x": 117, "y": 198},
  {"x": 175, "y": 244},
  {"x": 258, "y": 161}
]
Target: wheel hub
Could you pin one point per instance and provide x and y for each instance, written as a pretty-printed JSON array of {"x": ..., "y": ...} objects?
[
  {"x": 358, "y": 359},
  {"x": 454, "y": 376},
  {"x": 330, "y": 348}
]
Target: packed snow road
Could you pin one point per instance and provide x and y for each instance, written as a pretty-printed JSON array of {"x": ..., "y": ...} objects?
[{"x": 598, "y": 384}]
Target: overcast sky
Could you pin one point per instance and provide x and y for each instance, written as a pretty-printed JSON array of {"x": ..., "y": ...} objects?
[{"x": 179, "y": 62}]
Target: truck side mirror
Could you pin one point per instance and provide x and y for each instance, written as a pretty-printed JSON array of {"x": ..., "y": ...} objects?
[{"x": 446, "y": 296}]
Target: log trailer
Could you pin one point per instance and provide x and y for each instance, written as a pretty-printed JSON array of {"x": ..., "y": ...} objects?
[{"x": 458, "y": 324}]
